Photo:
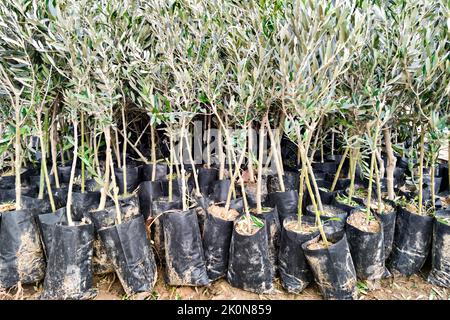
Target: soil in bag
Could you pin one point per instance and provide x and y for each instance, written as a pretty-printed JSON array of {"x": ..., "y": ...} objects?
[
  {"x": 412, "y": 242},
  {"x": 295, "y": 273},
  {"x": 184, "y": 257},
  {"x": 132, "y": 179},
  {"x": 21, "y": 254},
  {"x": 64, "y": 173},
  {"x": 206, "y": 179},
  {"x": 250, "y": 191},
  {"x": 176, "y": 187},
  {"x": 148, "y": 191},
  {"x": 440, "y": 251},
  {"x": 291, "y": 181},
  {"x": 100, "y": 219},
  {"x": 324, "y": 190},
  {"x": 47, "y": 224},
  {"x": 365, "y": 239},
  {"x": 201, "y": 208},
  {"x": 332, "y": 268},
  {"x": 333, "y": 218},
  {"x": 273, "y": 228},
  {"x": 155, "y": 224},
  {"x": 285, "y": 202},
  {"x": 387, "y": 217},
  {"x": 216, "y": 239},
  {"x": 69, "y": 268},
  {"x": 84, "y": 202},
  {"x": 249, "y": 266},
  {"x": 128, "y": 248}
]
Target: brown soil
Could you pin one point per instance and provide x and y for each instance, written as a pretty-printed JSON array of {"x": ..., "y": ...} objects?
[
  {"x": 359, "y": 220},
  {"x": 109, "y": 288},
  {"x": 318, "y": 245},
  {"x": 294, "y": 227},
  {"x": 445, "y": 201},
  {"x": 221, "y": 213},
  {"x": 9, "y": 206},
  {"x": 246, "y": 227},
  {"x": 385, "y": 207},
  {"x": 330, "y": 211},
  {"x": 412, "y": 208}
]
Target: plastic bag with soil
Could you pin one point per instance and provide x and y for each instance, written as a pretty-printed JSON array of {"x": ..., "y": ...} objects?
[
  {"x": 128, "y": 248},
  {"x": 440, "y": 259},
  {"x": 334, "y": 220},
  {"x": 92, "y": 185},
  {"x": 250, "y": 191},
  {"x": 69, "y": 269},
  {"x": 366, "y": 244},
  {"x": 176, "y": 187},
  {"x": 346, "y": 207},
  {"x": 9, "y": 195},
  {"x": 47, "y": 224},
  {"x": 84, "y": 202},
  {"x": 332, "y": 268},
  {"x": 326, "y": 167},
  {"x": 216, "y": 239},
  {"x": 132, "y": 179},
  {"x": 324, "y": 190},
  {"x": 285, "y": 202},
  {"x": 64, "y": 173},
  {"x": 146, "y": 170},
  {"x": 291, "y": 181},
  {"x": 273, "y": 228},
  {"x": 220, "y": 190},
  {"x": 206, "y": 179},
  {"x": 21, "y": 255},
  {"x": 412, "y": 242},
  {"x": 148, "y": 191},
  {"x": 249, "y": 266},
  {"x": 295, "y": 273},
  {"x": 156, "y": 230},
  {"x": 100, "y": 261},
  {"x": 388, "y": 222},
  {"x": 184, "y": 257}
]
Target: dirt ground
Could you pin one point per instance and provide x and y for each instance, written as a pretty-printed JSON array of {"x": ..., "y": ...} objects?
[{"x": 402, "y": 288}]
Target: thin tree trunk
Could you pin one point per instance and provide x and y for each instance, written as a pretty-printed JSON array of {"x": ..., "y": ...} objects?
[
  {"x": 124, "y": 151},
  {"x": 194, "y": 170},
  {"x": 422, "y": 151},
  {"x": 171, "y": 168},
  {"x": 183, "y": 171},
  {"x": 53, "y": 148},
  {"x": 83, "y": 166},
  {"x": 391, "y": 162},
  {"x": 301, "y": 193},
  {"x": 17, "y": 157},
  {"x": 339, "y": 169},
  {"x": 72, "y": 174},
  {"x": 369, "y": 189},
  {"x": 117, "y": 148},
  {"x": 220, "y": 153},
  {"x": 278, "y": 165},
  {"x": 260, "y": 167},
  {"x": 44, "y": 164},
  {"x": 208, "y": 144},
  {"x": 433, "y": 191},
  {"x": 251, "y": 172},
  {"x": 153, "y": 151},
  {"x": 105, "y": 187}
]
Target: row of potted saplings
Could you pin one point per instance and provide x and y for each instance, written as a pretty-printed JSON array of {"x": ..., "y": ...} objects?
[{"x": 203, "y": 229}]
